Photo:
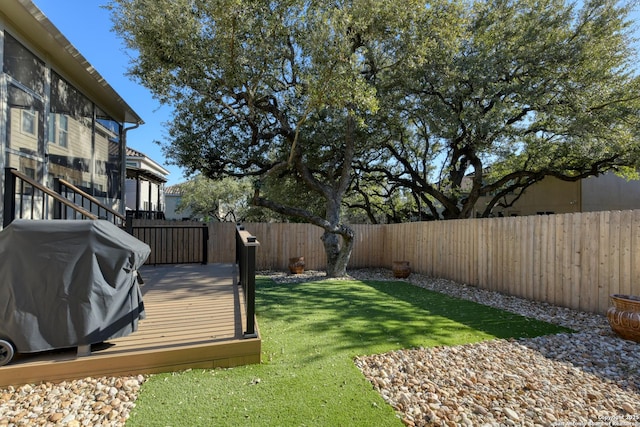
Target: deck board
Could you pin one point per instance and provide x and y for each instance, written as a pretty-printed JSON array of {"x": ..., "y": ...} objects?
[{"x": 194, "y": 319}]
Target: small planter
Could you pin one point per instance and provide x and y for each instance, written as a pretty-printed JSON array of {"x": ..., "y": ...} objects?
[
  {"x": 624, "y": 316},
  {"x": 401, "y": 269},
  {"x": 296, "y": 265}
]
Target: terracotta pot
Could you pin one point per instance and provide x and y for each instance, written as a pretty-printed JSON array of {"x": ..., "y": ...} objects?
[
  {"x": 624, "y": 316},
  {"x": 401, "y": 269},
  {"x": 296, "y": 265}
]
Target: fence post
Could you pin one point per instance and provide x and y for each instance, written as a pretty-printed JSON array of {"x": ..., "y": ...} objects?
[
  {"x": 128, "y": 222},
  {"x": 9, "y": 210},
  {"x": 205, "y": 244}
]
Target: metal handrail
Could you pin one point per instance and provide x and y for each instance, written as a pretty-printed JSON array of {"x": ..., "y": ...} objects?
[
  {"x": 246, "y": 245},
  {"x": 91, "y": 199},
  {"x": 9, "y": 212}
]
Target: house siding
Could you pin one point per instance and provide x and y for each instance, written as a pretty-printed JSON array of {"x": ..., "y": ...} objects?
[{"x": 50, "y": 127}]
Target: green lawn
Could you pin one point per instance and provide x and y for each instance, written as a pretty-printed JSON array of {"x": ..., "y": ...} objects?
[{"x": 311, "y": 332}]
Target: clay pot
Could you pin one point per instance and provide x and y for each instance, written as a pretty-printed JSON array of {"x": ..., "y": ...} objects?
[
  {"x": 401, "y": 269},
  {"x": 296, "y": 265},
  {"x": 624, "y": 316}
]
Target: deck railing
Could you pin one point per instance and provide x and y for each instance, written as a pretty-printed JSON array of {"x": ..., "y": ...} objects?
[
  {"x": 172, "y": 242},
  {"x": 149, "y": 215},
  {"x": 87, "y": 201},
  {"x": 26, "y": 198},
  {"x": 246, "y": 245}
]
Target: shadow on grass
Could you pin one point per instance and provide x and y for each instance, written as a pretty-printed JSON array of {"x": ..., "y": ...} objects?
[
  {"x": 373, "y": 317},
  {"x": 310, "y": 333}
]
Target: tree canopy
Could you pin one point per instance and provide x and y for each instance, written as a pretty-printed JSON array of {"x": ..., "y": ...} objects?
[
  {"x": 408, "y": 110},
  {"x": 528, "y": 89},
  {"x": 281, "y": 91}
]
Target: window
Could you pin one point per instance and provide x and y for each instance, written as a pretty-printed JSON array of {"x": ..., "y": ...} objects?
[
  {"x": 22, "y": 65},
  {"x": 58, "y": 129},
  {"x": 63, "y": 130},
  {"x": 51, "y": 132},
  {"x": 30, "y": 172},
  {"x": 25, "y": 122},
  {"x": 29, "y": 122}
]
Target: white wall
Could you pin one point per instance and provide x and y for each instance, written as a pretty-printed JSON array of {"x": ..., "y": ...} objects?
[
  {"x": 171, "y": 203},
  {"x": 130, "y": 195}
]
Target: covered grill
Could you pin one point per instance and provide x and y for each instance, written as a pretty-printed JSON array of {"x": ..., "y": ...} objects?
[{"x": 67, "y": 284}]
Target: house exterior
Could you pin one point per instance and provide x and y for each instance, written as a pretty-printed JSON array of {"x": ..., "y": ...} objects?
[
  {"x": 173, "y": 196},
  {"x": 553, "y": 196},
  {"x": 144, "y": 186},
  {"x": 59, "y": 118}
]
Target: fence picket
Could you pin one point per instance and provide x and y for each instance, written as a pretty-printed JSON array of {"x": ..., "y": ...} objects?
[
  {"x": 635, "y": 251},
  {"x": 576, "y": 250},
  {"x": 626, "y": 220},
  {"x": 614, "y": 244},
  {"x": 573, "y": 260},
  {"x": 589, "y": 262},
  {"x": 559, "y": 262},
  {"x": 567, "y": 259}
]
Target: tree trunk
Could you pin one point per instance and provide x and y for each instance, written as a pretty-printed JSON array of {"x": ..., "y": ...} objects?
[
  {"x": 337, "y": 239},
  {"x": 338, "y": 249}
]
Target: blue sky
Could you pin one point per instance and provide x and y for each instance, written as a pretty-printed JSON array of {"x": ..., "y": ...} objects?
[{"x": 88, "y": 27}]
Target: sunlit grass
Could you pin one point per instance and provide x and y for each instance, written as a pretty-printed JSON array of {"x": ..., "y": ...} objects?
[{"x": 311, "y": 332}]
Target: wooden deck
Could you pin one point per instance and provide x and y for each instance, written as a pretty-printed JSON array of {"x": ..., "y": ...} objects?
[{"x": 194, "y": 319}]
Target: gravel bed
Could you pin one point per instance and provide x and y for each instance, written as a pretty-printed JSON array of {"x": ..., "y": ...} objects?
[
  {"x": 590, "y": 377},
  {"x": 95, "y": 402}
]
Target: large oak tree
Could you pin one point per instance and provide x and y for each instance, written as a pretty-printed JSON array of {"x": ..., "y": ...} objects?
[{"x": 283, "y": 91}]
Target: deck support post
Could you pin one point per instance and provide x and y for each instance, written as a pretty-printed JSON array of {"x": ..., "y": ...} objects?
[{"x": 246, "y": 245}]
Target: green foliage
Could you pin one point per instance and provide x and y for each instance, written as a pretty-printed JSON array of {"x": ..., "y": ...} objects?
[
  {"x": 250, "y": 80},
  {"x": 524, "y": 89},
  {"x": 310, "y": 333},
  {"x": 282, "y": 91},
  {"x": 411, "y": 112},
  {"x": 223, "y": 200}
]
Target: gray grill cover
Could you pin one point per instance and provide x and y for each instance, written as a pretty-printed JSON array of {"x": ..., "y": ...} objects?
[{"x": 68, "y": 283}]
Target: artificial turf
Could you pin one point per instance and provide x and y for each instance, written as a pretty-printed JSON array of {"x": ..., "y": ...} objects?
[{"x": 310, "y": 334}]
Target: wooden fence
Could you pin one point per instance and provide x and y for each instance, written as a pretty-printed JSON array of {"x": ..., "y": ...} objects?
[{"x": 572, "y": 260}]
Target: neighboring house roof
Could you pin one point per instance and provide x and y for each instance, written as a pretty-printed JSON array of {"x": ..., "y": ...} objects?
[
  {"x": 134, "y": 153},
  {"x": 60, "y": 53},
  {"x": 174, "y": 190},
  {"x": 134, "y": 173},
  {"x": 148, "y": 169}
]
